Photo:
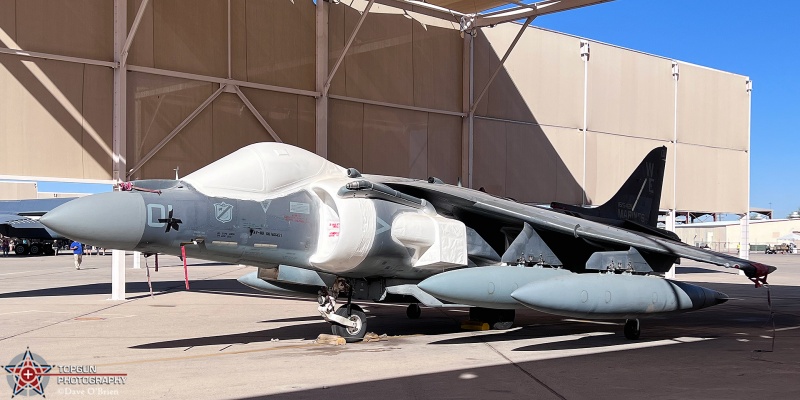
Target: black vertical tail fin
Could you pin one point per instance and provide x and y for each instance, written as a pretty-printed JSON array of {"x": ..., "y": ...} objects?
[{"x": 638, "y": 199}]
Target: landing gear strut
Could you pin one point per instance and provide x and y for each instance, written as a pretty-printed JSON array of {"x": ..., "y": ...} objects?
[
  {"x": 349, "y": 321},
  {"x": 632, "y": 329}
]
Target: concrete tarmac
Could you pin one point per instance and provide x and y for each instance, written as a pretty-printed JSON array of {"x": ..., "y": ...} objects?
[{"x": 221, "y": 340}]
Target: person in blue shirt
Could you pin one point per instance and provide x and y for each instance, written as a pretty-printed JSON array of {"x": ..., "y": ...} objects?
[{"x": 77, "y": 253}]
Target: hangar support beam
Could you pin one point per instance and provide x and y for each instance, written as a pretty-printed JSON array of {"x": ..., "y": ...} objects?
[
  {"x": 214, "y": 79},
  {"x": 258, "y": 116},
  {"x": 119, "y": 137},
  {"x": 321, "y": 55},
  {"x": 423, "y": 8},
  {"x": 129, "y": 40},
  {"x": 531, "y": 10},
  {"x": 57, "y": 57}
]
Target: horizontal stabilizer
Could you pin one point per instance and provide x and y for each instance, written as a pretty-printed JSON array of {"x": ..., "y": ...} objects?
[{"x": 529, "y": 246}]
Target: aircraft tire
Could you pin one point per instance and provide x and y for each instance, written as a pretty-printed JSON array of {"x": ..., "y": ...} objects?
[
  {"x": 413, "y": 311},
  {"x": 351, "y": 334},
  {"x": 632, "y": 329}
]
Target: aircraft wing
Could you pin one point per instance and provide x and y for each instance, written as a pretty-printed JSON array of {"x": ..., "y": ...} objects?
[{"x": 457, "y": 201}]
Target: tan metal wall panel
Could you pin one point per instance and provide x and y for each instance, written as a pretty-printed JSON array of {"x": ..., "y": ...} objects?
[
  {"x": 345, "y": 133},
  {"x": 234, "y": 126},
  {"x": 158, "y": 105},
  {"x": 568, "y": 165},
  {"x": 713, "y": 108},
  {"x": 78, "y": 28},
  {"x": 190, "y": 38},
  {"x": 8, "y": 21},
  {"x": 437, "y": 67},
  {"x": 306, "y": 123},
  {"x": 489, "y": 156},
  {"x": 239, "y": 39},
  {"x": 379, "y": 63},
  {"x": 444, "y": 147},
  {"x": 536, "y": 171},
  {"x": 531, "y": 164},
  {"x": 279, "y": 110},
  {"x": 18, "y": 191},
  {"x": 484, "y": 61},
  {"x": 541, "y": 81},
  {"x": 41, "y": 119},
  {"x": 630, "y": 93},
  {"x": 141, "y": 51},
  {"x": 97, "y": 138},
  {"x": 711, "y": 179},
  {"x": 281, "y": 42},
  {"x": 189, "y": 150},
  {"x": 667, "y": 197},
  {"x": 613, "y": 160},
  {"x": 395, "y": 142}
]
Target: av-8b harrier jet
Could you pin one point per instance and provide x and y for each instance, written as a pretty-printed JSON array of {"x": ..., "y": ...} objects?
[{"x": 315, "y": 228}]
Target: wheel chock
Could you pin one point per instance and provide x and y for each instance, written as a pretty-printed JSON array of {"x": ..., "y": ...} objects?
[
  {"x": 334, "y": 340},
  {"x": 475, "y": 326}
]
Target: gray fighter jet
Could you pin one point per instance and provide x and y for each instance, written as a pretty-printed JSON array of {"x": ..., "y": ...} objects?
[{"x": 317, "y": 229}]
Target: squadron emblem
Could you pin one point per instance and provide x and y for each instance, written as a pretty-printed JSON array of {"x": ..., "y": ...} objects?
[{"x": 223, "y": 212}]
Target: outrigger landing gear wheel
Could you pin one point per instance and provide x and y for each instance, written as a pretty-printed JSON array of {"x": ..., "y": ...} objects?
[
  {"x": 413, "y": 311},
  {"x": 632, "y": 329},
  {"x": 356, "y": 315}
]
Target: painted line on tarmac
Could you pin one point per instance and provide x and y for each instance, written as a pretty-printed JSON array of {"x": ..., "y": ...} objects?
[{"x": 786, "y": 329}]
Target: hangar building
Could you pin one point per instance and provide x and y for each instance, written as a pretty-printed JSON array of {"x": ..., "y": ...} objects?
[{"x": 99, "y": 91}]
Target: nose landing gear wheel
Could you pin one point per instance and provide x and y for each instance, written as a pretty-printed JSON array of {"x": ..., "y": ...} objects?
[
  {"x": 413, "y": 311},
  {"x": 351, "y": 334},
  {"x": 632, "y": 329}
]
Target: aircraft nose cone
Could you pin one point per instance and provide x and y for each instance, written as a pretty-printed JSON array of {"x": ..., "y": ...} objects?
[{"x": 112, "y": 220}]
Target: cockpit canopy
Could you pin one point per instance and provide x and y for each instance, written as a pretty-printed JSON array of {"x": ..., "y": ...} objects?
[{"x": 260, "y": 171}]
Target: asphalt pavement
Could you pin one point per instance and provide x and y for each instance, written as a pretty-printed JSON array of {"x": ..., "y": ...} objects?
[{"x": 224, "y": 340}]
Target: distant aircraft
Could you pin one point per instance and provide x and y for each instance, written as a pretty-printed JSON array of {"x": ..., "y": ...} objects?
[
  {"x": 317, "y": 229},
  {"x": 19, "y": 219}
]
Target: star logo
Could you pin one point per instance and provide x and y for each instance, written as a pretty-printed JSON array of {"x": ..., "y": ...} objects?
[{"x": 28, "y": 374}]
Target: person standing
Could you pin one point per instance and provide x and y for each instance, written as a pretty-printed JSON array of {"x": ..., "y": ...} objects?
[
  {"x": 6, "y": 245},
  {"x": 77, "y": 253}
]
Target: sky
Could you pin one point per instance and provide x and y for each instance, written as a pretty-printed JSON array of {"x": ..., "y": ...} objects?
[{"x": 758, "y": 39}]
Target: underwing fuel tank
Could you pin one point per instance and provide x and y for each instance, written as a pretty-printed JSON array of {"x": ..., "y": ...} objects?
[
  {"x": 614, "y": 296},
  {"x": 488, "y": 287}
]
